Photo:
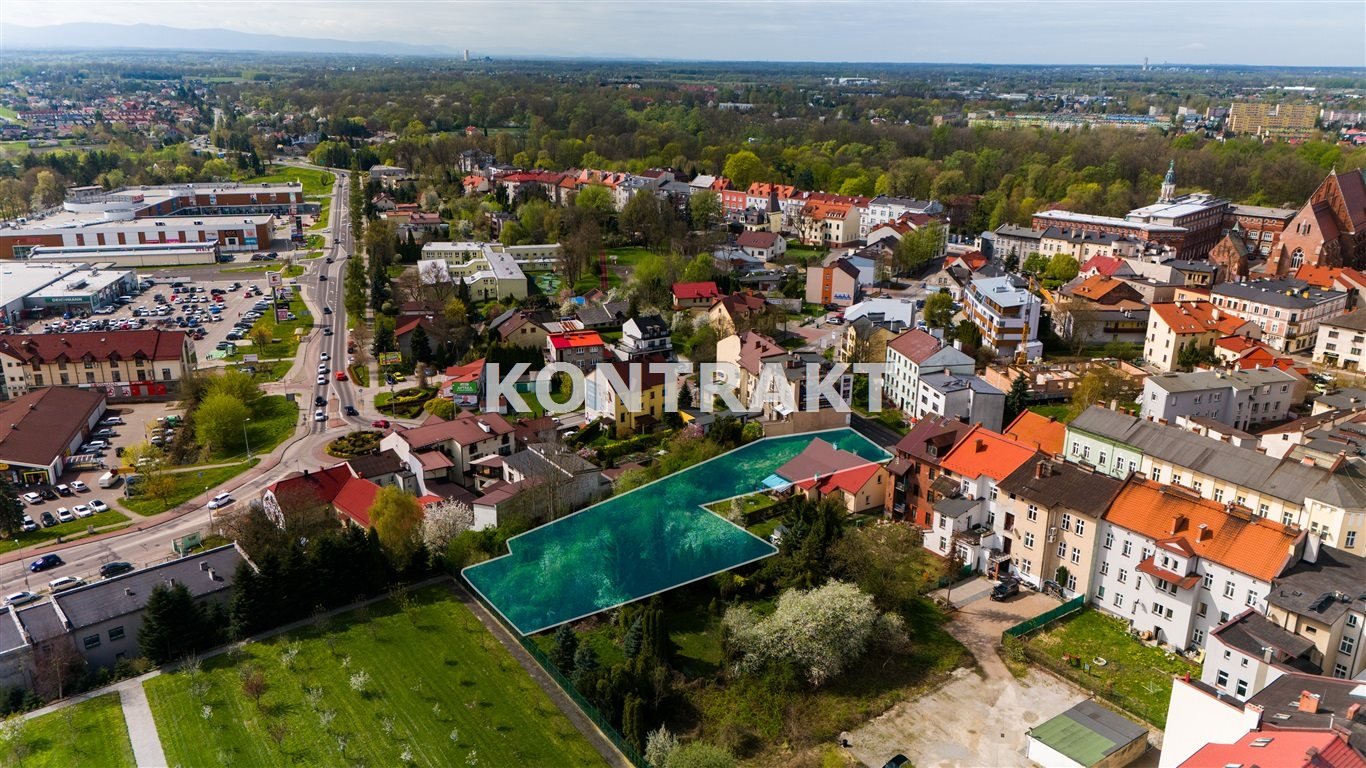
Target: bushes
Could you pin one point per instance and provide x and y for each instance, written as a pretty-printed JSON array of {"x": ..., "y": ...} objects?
[
  {"x": 406, "y": 403},
  {"x": 361, "y": 442},
  {"x": 440, "y": 407}
]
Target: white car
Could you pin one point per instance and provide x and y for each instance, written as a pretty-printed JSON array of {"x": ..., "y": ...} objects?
[
  {"x": 64, "y": 583},
  {"x": 318, "y": 415},
  {"x": 20, "y": 598},
  {"x": 79, "y": 487},
  {"x": 82, "y": 510},
  {"x": 322, "y": 381},
  {"x": 324, "y": 357},
  {"x": 98, "y": 506},
  {"x": 33, "y": 498},
  {"x": 64, "y": 515},
  {"x": 221, "y": 500}
]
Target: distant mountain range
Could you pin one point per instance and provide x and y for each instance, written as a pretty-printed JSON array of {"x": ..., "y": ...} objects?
[{"x": 88, "y": 36}]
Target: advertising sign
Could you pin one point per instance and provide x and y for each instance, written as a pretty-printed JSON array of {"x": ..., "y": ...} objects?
[
  {"x": 249, "y": 241},
  {"x": 275, "y": 279},
  {"x": 282, "y": 315},
  {"x": 465, "y": 387},
  {"x": 390, "y": 358}
]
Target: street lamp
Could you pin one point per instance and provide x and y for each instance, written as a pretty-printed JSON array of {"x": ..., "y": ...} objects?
[{"x": 245, "y": 439}]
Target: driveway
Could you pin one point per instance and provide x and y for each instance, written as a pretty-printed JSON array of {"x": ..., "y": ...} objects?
[{"x": 978, "y": 718}]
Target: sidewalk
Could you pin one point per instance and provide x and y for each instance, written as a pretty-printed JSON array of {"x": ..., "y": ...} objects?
[{"x": 142, "y": 728}]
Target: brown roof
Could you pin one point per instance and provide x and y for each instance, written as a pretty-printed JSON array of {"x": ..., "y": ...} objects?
[
  {"x": 755, "y": 348},
  {"x": 465, "y": 430},
  {"x": 37, "y": 427},
  {"x": 1057, "y": 483},
  {"x": 757, "y": 239},
  {"x": 819, "y": 459},
  {"x": 1353, "y": 187},
  {"x": 932, "y": 438},
  {"x": 740, "y": 304},
  {"x": 916, "y": 345},
  {"x": 98, "y": 345}
]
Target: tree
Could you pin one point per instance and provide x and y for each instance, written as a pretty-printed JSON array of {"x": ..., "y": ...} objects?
[
  {"x": 744, "y": 168},
  {"x": 430, "y": 200},
  {"x": 700, "y": 754},
  {"x": 46, "y": 191},
  {"x": 919, "y": 247},
  {"x": 422, "y": 348},
  {"x": 1017, "y": 399},
  {"x": 819, "y": 631},
  {"x": 218, "y": 421},
  {"x": 1101, "y": 385},
  {"x": 595, "y": 200},
  {"x": 585, "y": 667},
  {"x": 886, "y": 561},
  {"x": 11, "y": 511},
  {"x": 355, "y": 288},
  {"x": 254, "y": 684},
  {"x": 633, "y": 721},
  {"x": 1035, "y": 264},
  {"x": 939, "y": 310},
  {"x": 260, "y": 336},
  {"x": 443, "y": 522},
  {"x": 173, "y": 625},
  {"x": 565, "y": 648},
  {"x": 1061, "y": 268},
  {"x": 1192, "y": 355},
  {"x": 704, "y": 207},
  {"x": 397, "y": 518},
  {"x": 580, "y": 248},
  {"x": 660, "y": 747}
]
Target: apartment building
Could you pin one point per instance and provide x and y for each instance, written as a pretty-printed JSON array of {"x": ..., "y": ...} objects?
[
  {"x": 1007, "y": 314},
  {"x": 611, "y": 400},
  {"x": 1341, "y": 341},
  {"x": 967, "y": 397},
  {"x": 1288, "y": 312},
  {"x": 837, "y": 283},
  {"x": 1273, "y": 121},
  {"x": 489, "y": 270},
  {"x": 831, "y": 224},
  {"x": 1241, "y": 398},
  {"x": 1175, "y": 565},
  {"x": 582, "y": 349},
  {"x": 1050, "y": 512},
  {"x": 968, "y": 520},
  {"x": 446, "y": 451},
  {"x": 1320, "y": 601},
  {"x": 123, "y": 365},
  {"x": 915, "y": 351},
  {"x": 917, "y": 480},
  {"x": 1189, "y": 325}
]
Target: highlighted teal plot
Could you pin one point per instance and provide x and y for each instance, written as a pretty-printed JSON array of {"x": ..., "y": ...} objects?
[{"x": 647, "y": 541}]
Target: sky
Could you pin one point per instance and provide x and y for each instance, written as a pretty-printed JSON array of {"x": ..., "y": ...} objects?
[{"x": 1256, "y": 32}]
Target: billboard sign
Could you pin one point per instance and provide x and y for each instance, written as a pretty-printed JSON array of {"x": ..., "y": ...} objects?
[
  {"x": 465, "y": 388},
  {"x": 275, "y": 279},
  {"x": 390, "y": 358},
  {"x": 281, "y": 315}
]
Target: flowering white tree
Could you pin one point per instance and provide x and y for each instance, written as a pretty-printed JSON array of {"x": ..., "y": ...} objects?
[
  {"x": 821, "y": 630},
  {"x": 443, "y": 522}
]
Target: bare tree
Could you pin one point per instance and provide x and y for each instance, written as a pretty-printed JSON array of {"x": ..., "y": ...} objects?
[{"x": 56, "y": 665}]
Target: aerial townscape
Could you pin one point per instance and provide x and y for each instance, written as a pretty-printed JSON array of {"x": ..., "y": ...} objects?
[{"x": 458, "y": 384}]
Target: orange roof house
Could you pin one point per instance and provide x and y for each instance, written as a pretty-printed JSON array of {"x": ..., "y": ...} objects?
[
  {"x": 1185, "y": 524},
  {"x": 982, "y": 452},
  {"x": 1318, "y": 275},
  {"x": 1044, "y": 432},
  {"x": 1194, "y": 317}
]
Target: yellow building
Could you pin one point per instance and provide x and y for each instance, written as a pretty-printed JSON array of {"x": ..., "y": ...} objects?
[
  {"x": 610, "y": 400},
  {"x": 1274, "y": 121}
]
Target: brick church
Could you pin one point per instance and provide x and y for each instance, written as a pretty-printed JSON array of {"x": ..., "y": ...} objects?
[{"x": 1329, "y": 231}]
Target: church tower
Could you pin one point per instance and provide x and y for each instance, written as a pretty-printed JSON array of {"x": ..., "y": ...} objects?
[{"x": 1168, "y": 184}]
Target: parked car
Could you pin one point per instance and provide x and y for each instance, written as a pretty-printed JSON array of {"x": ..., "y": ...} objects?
[
  {"x": 98, "y": 506},
  {"x": 28, "y": 525},
  {"x": 82, "y": 510},
  {"x": 380, "y": 423},
  {"x": 324, "y": 357},
  {"x": 897, "y": 762},
  {"x": 48, "y": 494},
  {"x": 110, "y": 570},
  {"x": 64, "y": 489},
  {"x": 319, "y": 415},
  {"x": 1008, "y": 588},
  {"x": 65, "y": 515},
  {"x": 111, "y": 421},
  {"x": 221, "y": 500},
  {"x": 33, "y": 498},
  {"x": 16, "y": 599},
  {"x": 63, "y": 583},
  {"x": 79, "y": 487},
  {"x": 47, "y": 519},
  {"x": 322, "y": 380},
  {"x": 45, "y": 562}
]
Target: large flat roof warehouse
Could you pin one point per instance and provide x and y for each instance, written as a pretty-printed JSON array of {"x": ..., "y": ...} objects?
[
  {"x": 19, "y": 280},
  {"x": 82, "y": 283},
  {"x": 142, "y": 255},
  {"x": 650, "y": 540}
]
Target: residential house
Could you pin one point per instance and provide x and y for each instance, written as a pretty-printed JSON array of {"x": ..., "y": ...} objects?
[
  {"x": 884, "y": 209},
  {"x": 543, "y": 482},
  {"x": 1293, "y": 437},
  {"x": 123, "y": 365},
  {"x": 1249, "y": 651},
  {"x": 917, "y": 480},
  {"x": 730, "y": 313},
  {"x": 1045, "y": 433},
  {"x": 1051, "y": 382},
  {"x": 1016, "y": 243},
  {"x": 828, "y": 223},
  {"x": 1083, "y": 245},
  {"x": 695, "y": 295},
  {"x": 836, "y": 284},
  {"x": 1189, "y": 325},
  {"x": 1240, "y": 398},
  {"x": 610, "y": 398},
  {"x": 519, "y": 328},
  {"x": 403, "y": 334},
  {"x": 1288, "y": 312},
  {"x": 757, "y": 356},
  {"x": 962, "y": 396},
  {"x": 912, "y": 353},
  {"x": 863, "y": 341},
  {"x": 445, "y": 451},
  {"x": 582, "y": 349},
  {"x": 645, "y": 336},
  {"x": 1007, "y": 314},
  {"x": 895, "y": 315},
  {"x": 385, "y": 468},
  {"x": 969, "y": 522},
  {"x": 821, "y": 470},
  {"x": 1176, "y": 565},
  {"x": 1099, "y": 310},
  {"x": 1320, "y": 602},
  {"x": 767, "y": 246},
  {"x": 1050, "y": 513},
  {"x": 1340, "y": 341}
]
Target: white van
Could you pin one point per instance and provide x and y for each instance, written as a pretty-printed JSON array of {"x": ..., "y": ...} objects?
[{"x": 109, "y": 480}]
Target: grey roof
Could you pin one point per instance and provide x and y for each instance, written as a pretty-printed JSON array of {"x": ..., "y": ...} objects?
[
  {"x": 1251, "y": 633},
  {"x": 593, "y": 316},
  {"x": 1317, "y": 590},
  {"x": 1287, "y": 480},
  {"x": 538, "y": 455},
  {"x": 956, "y": 507},
  {"x": 205, "y": 573},
  {"x": 41, "y": 622},
  {"x": 1289, "y": 294},
  {"x": 10, "y": 636},
  {"x": 385, "y": 462},
  {"x": 1279, "y": 698},
  {"x": 952, "y": 382},
  {"x": 1346, "y": 398},
  {"x": 650, "y": 326},
  {"x": 1353, "y": 321},
  {"x": 1119, "y": 731},
  {"x": 1191, "y": 265},
  {"x": 1199, "y": 381},
  {"x": 1063, "y": 484},
  {"x": 1010, "y": 230}
]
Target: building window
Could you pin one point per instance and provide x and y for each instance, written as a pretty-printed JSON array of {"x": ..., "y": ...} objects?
[
  {"x": 1221, "y": 679},
  {"x": 1198, "y": 636},
  {"x": 1071, "y": 583},
  {"x": 1157, "y": 474},
  {"x": 1123, "y": 576},
  {"x": 1219, "y": 494},
  {"x": 115, "y": 634},
  {"x": 1119, "y": 600},
  {"x": 91, "y": 641},
  {"x": 1208, "y": 581},
  {"x": 1202, "y": 610},
  {"x": 1104, "y": 567},
  {"x": 1066, "y": 521},
  {"x": 1109, "y": 539},
  {"x": 1228, "y": 589},
  {"x": 1062, "y": 549},
  {"x": 1080, "y": 527},
  {"x": 1287, "y": 518},
  {"x": 165, "y": 374},
  {"x": 1101, "y": 459},
  {"x": 1340, "y": 671},
  {"x": 1251, "y": 597},
  {"x": 1029, "y": 540},
  {"x": 1032, "y": 513},
  {"x": 1352, "y": 620},
  {"x": 1128, "y": 548},
  {"x": 1026, "y": 567},
  {"x": 1076, "y": 556},
  {"x": 1351, "y": 540},
  {"x": 1348, "y": 645},
  {"x": 1241, "y": 691}
]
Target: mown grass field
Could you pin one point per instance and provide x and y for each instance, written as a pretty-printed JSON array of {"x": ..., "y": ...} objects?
[
  {"x": 439, "y": 691},
  {"x": 188, "y": 485},
  {"x": 91, "y": 734}
]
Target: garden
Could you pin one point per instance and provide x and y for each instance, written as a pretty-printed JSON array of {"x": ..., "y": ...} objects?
[
  {"x": 406, "y": 681},
  {"x": 1097, "y": 652},
  {"x": 361, "y": 442},
  {"x": 91, "y": 733},
  {"x": 404, "y": 403}
]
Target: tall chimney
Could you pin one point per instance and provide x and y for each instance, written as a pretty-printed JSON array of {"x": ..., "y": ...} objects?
[
  {"x": 1309, "y": 702},
  {"x": 1352, "y": 712}
]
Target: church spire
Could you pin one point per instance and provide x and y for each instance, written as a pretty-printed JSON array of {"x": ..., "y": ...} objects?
[{"x": 1168, "y": 184}]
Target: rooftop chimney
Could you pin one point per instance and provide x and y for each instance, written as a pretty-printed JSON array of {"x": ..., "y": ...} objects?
[
  {"x": 1352, "y": 712},
  {"x": 980, "y": 445},
  {"x": 1178, "y": 523},
  {"x": 1309, "y": 702},
  {"x": 1205, "y": 533},
  {"x": 1041, "y": 469}
]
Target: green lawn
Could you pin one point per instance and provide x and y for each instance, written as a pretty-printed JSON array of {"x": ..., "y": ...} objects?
[
  {"x": 273, "y": 419},
  {"x": 749, "y": 504},
  {"x": 316, "y": 182},
  {"x": 1059, "y": 411},
  {"x": 113, "y": 520},
  {"x": 91, "y": 733},
  {"x": 441, "y": 691},
  {"x": 627, "y": 256},
  {"x": 187, "y": 486},
  {"x": 1139, "y": 675},
  {"x": 284, "y": 342}
]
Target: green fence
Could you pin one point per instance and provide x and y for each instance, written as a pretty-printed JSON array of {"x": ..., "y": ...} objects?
[
  {"x": 944, "y": 581},
  {"x": 1047, "y": 617},
  {"x": 549, "y": 667}
]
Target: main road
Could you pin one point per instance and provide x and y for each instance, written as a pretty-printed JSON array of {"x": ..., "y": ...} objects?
[{"x": 150, "y": 540}]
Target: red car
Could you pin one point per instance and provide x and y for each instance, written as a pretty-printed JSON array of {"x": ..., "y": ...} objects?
[
  {"x": 380, "y": 423},
  {"x": 341, "y": 375}
]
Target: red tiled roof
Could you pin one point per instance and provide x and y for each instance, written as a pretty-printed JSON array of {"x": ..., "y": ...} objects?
[
  {"x": 1283, "y": 748},
  {"x": 755, "y": 348},
  {"x": 464, "y": 429},
  {"x": 1045, "y": 432},
  {"x": 1257, "y": 547},
  {"x": 757, "y": 239},
  {"x": 848, "y": 480},
  {"x": 1097, "y": 287},
  {"x": 99, "y": 345},
  {"x": 1184, "y": 582},
  {"x": 817, "y": 460},
  {"x": 355, "y": 499},
  {"x": 983, "y": 452},
  {"x": 693, "y": 291},
  {"x": 1316, "y": 275},
  {"x": 411, "y": 325},
  {"x": 1104, "y": 265},
  {"x": 1187, "y": 317},
  {"x": 1352, "y": 184},
  {"x": 1351, "y": 279},
  {"x": 740, "y": 304},
  {"x": 470, "y": 371},
  {"x": 575, "y": 339}
]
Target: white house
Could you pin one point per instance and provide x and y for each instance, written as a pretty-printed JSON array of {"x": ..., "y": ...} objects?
[
  {"x": 915, "y": 351},
  {"x": 1240, "y": 398}
]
